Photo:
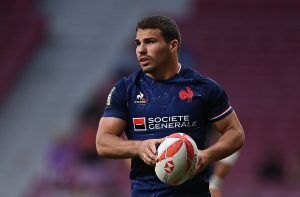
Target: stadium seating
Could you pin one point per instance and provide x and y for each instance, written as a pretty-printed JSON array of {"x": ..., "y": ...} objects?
[
  {"x": 22, "y": 30},
  {"x": 256, "y": 58}
]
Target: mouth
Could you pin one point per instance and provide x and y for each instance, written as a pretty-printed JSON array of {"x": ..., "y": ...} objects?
[{"x": 144, "y": 61}]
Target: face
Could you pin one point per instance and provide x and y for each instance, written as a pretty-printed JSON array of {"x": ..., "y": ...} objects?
[{"x": 152, "y": 51}]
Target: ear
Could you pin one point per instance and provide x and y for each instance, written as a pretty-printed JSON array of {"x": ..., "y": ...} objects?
[{"x": 174, "y": 46}]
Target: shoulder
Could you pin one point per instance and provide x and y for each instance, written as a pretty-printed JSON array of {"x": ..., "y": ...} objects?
[
  {"x": 196, "y": 76},
  {"x": 127, "y": 82}
]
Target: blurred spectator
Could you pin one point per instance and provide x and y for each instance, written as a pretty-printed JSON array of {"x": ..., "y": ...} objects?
[{"x": 271, "y": 168}]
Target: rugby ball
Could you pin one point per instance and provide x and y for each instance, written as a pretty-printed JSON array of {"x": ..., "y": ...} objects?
[{"x": 178, "y": 157}]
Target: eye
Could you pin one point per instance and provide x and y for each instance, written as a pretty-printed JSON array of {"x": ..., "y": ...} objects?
[
  {"x": 150, "y": 41},
  {"x": 137, "y": 43}
]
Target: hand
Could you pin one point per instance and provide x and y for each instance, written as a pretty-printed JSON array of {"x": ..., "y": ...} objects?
[
  {"x": 147, "y": 150},
  {"x": 202, "y": 161}
]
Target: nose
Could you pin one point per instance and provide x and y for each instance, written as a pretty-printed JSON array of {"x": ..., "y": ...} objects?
[{"x": 141, "y": 49}]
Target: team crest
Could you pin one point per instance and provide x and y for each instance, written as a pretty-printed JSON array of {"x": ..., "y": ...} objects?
[{"x": 186, "y": 94}]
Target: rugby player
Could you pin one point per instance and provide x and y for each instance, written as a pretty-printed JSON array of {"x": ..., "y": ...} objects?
[{"x": 161, "y": 98}]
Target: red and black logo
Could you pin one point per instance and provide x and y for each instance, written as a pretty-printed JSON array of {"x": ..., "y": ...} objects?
[
  {"x": 169, "y": 166},
  {"x": 139, "y": 124},
  {"x": 186, "y": 94}
]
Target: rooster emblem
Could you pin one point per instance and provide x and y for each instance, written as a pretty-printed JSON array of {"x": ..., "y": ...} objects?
[
  {"x": 186, "y": 94},
  {"x": 140, "y": 96}
]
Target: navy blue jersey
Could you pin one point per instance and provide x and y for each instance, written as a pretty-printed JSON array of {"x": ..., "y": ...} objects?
[{"x": 186, "y": 103}]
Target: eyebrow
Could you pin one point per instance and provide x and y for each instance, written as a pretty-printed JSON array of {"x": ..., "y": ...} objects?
[{"x": 146, "y": 39}]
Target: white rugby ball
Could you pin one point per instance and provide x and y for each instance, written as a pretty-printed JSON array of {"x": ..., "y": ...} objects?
[{"x": 178, "y": 157}]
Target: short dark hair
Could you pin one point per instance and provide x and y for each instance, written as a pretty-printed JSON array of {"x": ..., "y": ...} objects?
[{"x": 168, "y": 27}]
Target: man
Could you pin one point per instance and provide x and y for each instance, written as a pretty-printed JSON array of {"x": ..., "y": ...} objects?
[{"x": 162, "y": 98}]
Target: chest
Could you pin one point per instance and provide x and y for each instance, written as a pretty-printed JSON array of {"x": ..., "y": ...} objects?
[
  {"x": 156, "y": 110},
  {"x": 157, "y": 99}
]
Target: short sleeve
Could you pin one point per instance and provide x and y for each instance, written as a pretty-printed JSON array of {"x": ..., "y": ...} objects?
[
  {"x": 116, "y": 104},
  {"x": 218, "y": 105}
]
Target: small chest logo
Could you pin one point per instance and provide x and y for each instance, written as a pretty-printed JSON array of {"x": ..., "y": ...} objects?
[
  {"x": 140, "y": 98},
  {"x": 186, "y": 94},
  {"x": 139, "y": 124}
]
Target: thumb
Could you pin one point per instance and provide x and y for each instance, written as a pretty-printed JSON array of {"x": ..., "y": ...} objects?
[{"x": 155, "y": 143}]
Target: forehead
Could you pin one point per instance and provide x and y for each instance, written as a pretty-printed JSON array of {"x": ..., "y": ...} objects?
[{"x": 148, "y": 33}]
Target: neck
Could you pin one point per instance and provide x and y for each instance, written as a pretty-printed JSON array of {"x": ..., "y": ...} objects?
[{"x": 167, "y": 72}]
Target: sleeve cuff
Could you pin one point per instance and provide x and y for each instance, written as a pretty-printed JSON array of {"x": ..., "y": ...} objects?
[
  {"x": 115, "y": 115},
  {"x": 221, "y": 115}
]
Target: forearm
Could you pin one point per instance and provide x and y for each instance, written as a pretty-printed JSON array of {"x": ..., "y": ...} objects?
[
  {"x": 231, "y": 141},
  {"x": 112, "y": 146}
]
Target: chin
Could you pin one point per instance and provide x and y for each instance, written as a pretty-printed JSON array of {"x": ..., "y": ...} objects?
[{"x": 148, "y": 69}]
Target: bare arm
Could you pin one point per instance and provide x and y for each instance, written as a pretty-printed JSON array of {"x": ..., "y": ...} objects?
[
  {"x": 110, "y": 144},
  {"x": 232, "y": 139}
]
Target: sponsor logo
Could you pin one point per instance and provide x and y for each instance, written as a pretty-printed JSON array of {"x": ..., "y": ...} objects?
[
  {"x": 139, "y": 124},
  {"x": 140, "y": 98},
  {"x": 169, "y": 166},
  {"x": 186, "y": 94},
  {"x": 165, "y": 122},
  {"x": 165, "y": 179},
  {"x": 108, "y": 102}
]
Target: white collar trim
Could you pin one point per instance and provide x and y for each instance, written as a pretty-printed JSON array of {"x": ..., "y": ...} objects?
[{"x": 179, "y": 68}]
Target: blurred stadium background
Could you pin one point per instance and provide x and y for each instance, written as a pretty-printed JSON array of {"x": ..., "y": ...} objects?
[{"x": 60, "y": 58}]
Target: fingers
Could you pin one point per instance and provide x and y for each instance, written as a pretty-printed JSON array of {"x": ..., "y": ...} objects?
[
  {"x": 159, "y": 141},
  {"x": 151, "y": 152},
  {"x": 153, "y": 144},
  {"x": 148, "y": 160},
  {"x": 200, "y": 164},
  {"x": 202, "y": 161},
  {"x": 148, "y": 157},
  {"x": 148, "y": 152},
  {"x": 156, "y": 142}
]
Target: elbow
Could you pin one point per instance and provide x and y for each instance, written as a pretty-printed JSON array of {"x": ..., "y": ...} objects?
[
  {"x": 100, "y": 151},
  {"x": 241, "y": 139},
  {"x": 100, "y": 148}
]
